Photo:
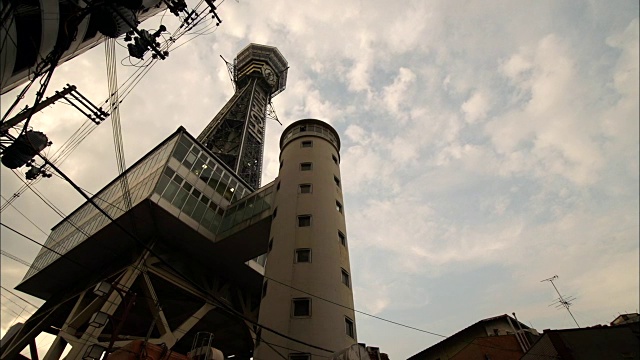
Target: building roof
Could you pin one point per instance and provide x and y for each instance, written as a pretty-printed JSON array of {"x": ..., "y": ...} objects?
[
  {"x": 598, "y": 342},
  {"x": 626, "y": 319},
  {"x": 310, "y": 122},
  {"x": 454, "y": 337},
  {"x": 504, "y": 347}
]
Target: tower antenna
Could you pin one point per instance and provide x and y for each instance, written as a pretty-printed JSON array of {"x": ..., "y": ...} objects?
[{"x": 561, "y": 301}]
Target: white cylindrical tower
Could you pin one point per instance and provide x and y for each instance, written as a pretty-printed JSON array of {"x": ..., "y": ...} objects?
[{"x": 307, "y": 291}]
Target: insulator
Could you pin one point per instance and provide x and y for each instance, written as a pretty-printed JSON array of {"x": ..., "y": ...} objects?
[
  {"x": 25, "y": 148},
  {"x": 110, "y": 22}
]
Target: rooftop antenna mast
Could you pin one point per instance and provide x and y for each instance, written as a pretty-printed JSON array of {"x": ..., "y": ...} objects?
[{"x": 561, "y": 301}]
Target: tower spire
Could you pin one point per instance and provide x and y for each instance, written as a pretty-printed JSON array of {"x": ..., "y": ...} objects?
[{"x": 236, "y": 133}]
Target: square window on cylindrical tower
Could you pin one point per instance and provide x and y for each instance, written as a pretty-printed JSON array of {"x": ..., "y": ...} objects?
[
  {"x": 303, "y": 255},
  {"x": 301, "y": 307},
  {"x": 304, "y": 220}
]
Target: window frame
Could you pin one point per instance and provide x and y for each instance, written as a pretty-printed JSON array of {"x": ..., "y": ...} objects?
[
  {"x": 349, "y": 327},
  {"x": 306, "y": 186},
  {"x": 339, "y": 207},
  {"x": 342, "y": 238},
  {"x": 303, "y": 166},
  {"x": 306, "y": 143},
  {"x": 298, "y": 251},
  {"x": 344, "y": 275},
  {"x": 304, "y": 216},
  {"x": 293, "y": 307}
]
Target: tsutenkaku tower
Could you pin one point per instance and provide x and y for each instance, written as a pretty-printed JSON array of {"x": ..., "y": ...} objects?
[{"x": 236, "y": 133}]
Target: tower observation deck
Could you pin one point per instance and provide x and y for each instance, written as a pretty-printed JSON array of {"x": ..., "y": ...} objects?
[{"x": 236, "y": 133}]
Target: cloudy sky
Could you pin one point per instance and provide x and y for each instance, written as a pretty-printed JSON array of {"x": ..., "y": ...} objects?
[{"x": 487, "y": 145}]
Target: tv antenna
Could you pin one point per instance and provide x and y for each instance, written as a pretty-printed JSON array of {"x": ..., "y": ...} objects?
[{"x": 561, "y": 301}]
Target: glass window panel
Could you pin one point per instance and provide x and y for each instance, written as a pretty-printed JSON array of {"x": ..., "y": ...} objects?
[
  {"x": 215, "y": 178},
  {"x": 184, "y": 140},
  {"x": 199, "y": 211},
  {"x": 345, "y": 278},
  {"x": 198, "y": 166},
  {"x": 303, "y": 255},
  {"x": 228, "y": 194},
  {"x": 178, "y": 179},
  {"x": 349, "y": 327},
  {"x": 196, "y": 193},
  {"x": 206, "y": 173},
  {"x": 190, "y": 205},
  {"x": 342, "y": 238},
  {"x": 180, "y": 198},
  {"x": 189, "y": 160},
  {"x": 304, "y": 220},
  {"x": 169, "y": 172},
  {"x": 222, "y": 185},
  {"x": 301, "y": 307},
  {"x": 171, "y": 191},
  {"x": 216, "y": 222},
  {"x": 180, "y": 152},
  {"x": 187, "y": 186},
  {"x": 208, "y": 218}
]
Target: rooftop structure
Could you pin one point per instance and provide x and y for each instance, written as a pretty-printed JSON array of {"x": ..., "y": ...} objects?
[
  {"x": 190, "y": 254},
  {"x": 192, "y": 239},
  {"x": 474, "y": 335},
  {"x": 602, "y": 342},
  {"x": 236, "y": 133}
]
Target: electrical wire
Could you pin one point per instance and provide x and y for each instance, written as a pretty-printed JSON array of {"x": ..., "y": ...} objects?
[
  {"x": 226, "y": 306},
  {"x": 24, "y": 309},
  {"x": 43, "y": 245},
  {"x": 222, "y": 305},
  {"x": 25, "y": 216},
  {"x": 355, "y": 310},
  {"x": 17, "y": 259},
  {"x": 112, "y": 80},
  {"x": 58, "y": 157},
  {"x": 290, "y": 349}
]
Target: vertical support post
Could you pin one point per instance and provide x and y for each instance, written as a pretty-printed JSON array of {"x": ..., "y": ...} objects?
[
  {"x": 56, "y": 349},
  {"x": 33, "y": 349}
]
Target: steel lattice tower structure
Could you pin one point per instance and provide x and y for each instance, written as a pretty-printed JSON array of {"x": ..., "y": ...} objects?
[{"x": 236, "y": 133}]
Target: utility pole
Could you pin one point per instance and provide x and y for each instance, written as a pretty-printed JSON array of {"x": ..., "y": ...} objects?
[{"x": 566, "y": 303}]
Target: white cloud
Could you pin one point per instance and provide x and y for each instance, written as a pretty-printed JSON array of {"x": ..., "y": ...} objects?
[
  {"x": 477, "y": 154},
  {"x": 395, "y": 96},
  {"x": 476, "y": 107}
]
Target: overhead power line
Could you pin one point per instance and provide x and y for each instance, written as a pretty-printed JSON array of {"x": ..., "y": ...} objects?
[
  {"x": 11, "y": 300},
  {"x": 15, "y": 258},
  {"x": 225, "y": 307},
  {"x": 16, "y": 295},
  {"x": 43, "y": 245},
  {"x": 355, "y": 310}
]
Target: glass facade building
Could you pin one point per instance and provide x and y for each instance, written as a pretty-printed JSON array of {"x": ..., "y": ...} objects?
[{"x": 183, "y": 178}]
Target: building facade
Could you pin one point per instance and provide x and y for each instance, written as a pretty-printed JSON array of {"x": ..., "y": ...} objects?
[
  {"x": 307, "y": 290},
  {"x": 236, "y": 133},
  {"x": 472, "y": 340},
  {"x": 202, "y": 247}
]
